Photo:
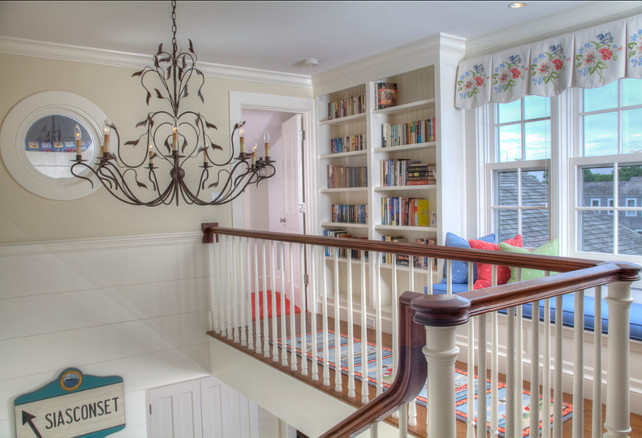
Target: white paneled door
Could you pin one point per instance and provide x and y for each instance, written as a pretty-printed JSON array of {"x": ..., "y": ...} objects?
[{"x": 203, "y": 408}]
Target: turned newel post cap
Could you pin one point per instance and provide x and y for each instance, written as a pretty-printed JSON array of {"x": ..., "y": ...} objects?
[{"x": 440, "y": 310}]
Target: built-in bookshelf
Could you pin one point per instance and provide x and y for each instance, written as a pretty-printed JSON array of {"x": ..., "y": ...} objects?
[{"x": 398, "y": 140}]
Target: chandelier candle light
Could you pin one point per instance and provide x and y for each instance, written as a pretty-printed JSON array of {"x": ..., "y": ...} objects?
[{"x": 223, "y": 176}]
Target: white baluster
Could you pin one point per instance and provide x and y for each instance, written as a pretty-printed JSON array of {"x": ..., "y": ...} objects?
[
  {"x": 482, "y": 369},
  {"x": 378, "y": 333},
  {"x": 257, "y": 305},
  {"x": 511, "y": 419},
  {"x": 284, "y": 353},
  {"x": 326, "y": 357},
  {"x": 337, "y": 325},
  {"x": 412, "y": 406},
  {"x": 228, "y": 295},
  {"x": 403, "y": 420},
  {"x": 546, "y": 372},
  {"x": 235, "y": 298},
  {"x": 597, "y": 366},
  {"x": 365, "y": 394},
  {"x": 470, "y": 369},
  {"x": 578, "y": 367},
  {"x": 494, "y": 364},
  {"x": 351, "y": 383},
  {"x": 293, "y": 359},
  {"x": 395, "y": 325},
  {"x": 247, "y": 300},
  {"x": 534, "y": 400},
  {"x": 218, "y": 257},
  {"x": 266, "y": 334},
  {"x": 304, "y": 307},
  {"x": 557, "y": 378},
  {"x": 618, "y": 423},
  {"x": 519, "y": 368},
  {"x": 441, "y": 353},
  {"x": 242, "y": 291},
  {"x": 275, "y": 333},
  {"x": 316, "y": 266}
]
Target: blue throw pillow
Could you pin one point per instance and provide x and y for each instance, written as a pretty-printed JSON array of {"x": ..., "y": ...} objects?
[{"x": 460, "y": 269}]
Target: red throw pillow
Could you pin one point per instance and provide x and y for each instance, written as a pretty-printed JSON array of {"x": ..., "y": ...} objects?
[{"x": 485, "y": 270}]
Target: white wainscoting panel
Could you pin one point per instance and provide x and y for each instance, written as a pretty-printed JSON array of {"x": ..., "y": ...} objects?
[{"x": 135, "y": 306}]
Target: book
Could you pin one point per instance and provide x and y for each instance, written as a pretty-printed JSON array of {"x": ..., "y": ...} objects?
[{"x": 386, "y": 95}]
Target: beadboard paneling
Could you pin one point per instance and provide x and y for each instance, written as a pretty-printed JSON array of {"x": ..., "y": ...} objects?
[{"x": 137, "y": 307}]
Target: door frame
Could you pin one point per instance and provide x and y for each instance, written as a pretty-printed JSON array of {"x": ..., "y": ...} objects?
[{"x": 240, "y": 100}]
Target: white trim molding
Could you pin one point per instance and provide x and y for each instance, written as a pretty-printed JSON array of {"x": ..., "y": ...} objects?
[{"x": 63, "y": 52}]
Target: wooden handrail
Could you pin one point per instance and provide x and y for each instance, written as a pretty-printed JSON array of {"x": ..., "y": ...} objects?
[
  {"x": 410, "y": 379},
  {"x": 548, "y": 263}
]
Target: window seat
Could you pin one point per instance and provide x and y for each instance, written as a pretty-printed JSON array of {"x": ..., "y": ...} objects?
[{"x": 568, "y": 311}]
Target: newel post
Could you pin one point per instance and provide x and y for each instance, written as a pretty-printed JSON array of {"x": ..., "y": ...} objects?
[
  {"x": 441, "y": 314},
  {"x": 618, "y": 423}
]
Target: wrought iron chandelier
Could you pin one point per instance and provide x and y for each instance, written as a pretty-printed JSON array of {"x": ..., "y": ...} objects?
[{"x": 176, "y": 140}]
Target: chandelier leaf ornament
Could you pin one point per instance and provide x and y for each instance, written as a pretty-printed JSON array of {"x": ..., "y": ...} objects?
[{"x": 174, "y": 158}]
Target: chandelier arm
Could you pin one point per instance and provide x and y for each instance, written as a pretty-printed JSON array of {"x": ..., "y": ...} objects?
[
  {"x": 78, "y": 175},
  {"x": 110, "y": 172}
]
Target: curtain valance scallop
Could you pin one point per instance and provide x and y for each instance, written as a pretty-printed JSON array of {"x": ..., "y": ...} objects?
[{"x": 588, "y": 58}]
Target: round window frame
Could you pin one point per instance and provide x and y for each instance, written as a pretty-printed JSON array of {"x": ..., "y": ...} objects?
[{"x": 12, "y": 142}]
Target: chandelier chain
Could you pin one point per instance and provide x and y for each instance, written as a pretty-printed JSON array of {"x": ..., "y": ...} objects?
[{"x": 174, "y": 44}]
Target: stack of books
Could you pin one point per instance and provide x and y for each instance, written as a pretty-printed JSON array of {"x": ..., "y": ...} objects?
[
  {"x": 350, "y": 213},
  {"x": 351, "y": 143},
  {"x": 347, "y": 107},
  {"x": 401, "y": 259},
  {"x": 420, "y": 131},
  {"x": 422, "y": 262},
  {"x": 401, "y": 211},
  {"x": 354, "y": 253},
  {"x": 346, "y": 176},
  {"x": 421, "y": 174}
]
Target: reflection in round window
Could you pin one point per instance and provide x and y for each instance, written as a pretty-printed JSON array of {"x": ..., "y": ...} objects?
[{"x": 50, "y": 145}]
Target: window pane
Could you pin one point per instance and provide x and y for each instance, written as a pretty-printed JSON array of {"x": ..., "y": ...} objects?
[
  {"x": 536, "y": 107},
  {"x": 510, "y": 143},
  {"x": 632, "y": 131},
  {"x": 509, "y": 112},
  {"x": 601, "y": 98},
  {"x": 596, "y": 232},
  {"x": 630, "y": 186},
  {"x": 600, "y": 134},
  {"x": 597, "y": 183},
  {"x": 507, "y": 188},
  {"x": 506, "y": 224},
  {"x": 535, "y": 227},
  {"x": 629, "y": 240},
  {"x": 535, "y": 188},
  {"x": 537, "y": 140},
  {"x": 631, "y": 92}
]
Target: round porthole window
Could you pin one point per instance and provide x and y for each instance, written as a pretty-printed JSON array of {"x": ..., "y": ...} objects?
[{"x": 38, "y": 143}]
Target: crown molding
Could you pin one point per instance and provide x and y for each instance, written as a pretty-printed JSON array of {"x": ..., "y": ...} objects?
[
  {"x": 582, "y": 17},
  {"x": 408, "y": 57},
  {"x": 63, "y": 52}
]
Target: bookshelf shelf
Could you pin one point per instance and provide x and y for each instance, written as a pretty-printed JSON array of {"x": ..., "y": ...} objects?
[
  {"x": 343, "y": 225},
  {"x": 341, "y": 120},
  {"x": 404, "y": 228},
  {"x": 412, "y": 106},
  {"x": 405, "y": 148},
  {"x": 405, "y": 188},
  {"x": 343, "y": 154},
  {"x": 345, "y": 190}
]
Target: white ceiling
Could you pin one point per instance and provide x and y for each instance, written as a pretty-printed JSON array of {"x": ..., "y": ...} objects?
[{"x": 268, "y": 35}]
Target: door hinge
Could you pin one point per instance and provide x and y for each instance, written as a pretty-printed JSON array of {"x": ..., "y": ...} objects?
[
  {"x": 301, "y": 135},
  {"x": 150, "y": 409},
  {"x": 306, "y": 279},
  {"x": 303, "y": 208}
]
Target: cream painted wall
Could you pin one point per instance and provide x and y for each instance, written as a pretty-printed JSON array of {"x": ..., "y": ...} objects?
[{"x": 27, "y": 217}]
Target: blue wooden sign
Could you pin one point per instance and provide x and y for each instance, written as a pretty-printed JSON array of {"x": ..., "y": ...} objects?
[{"x": 74, "y": 405}]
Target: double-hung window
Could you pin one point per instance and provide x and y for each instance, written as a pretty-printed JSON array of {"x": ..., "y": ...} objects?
[
  {"x": 607, "y": 166},
  {"x": 518, "y": 169}
]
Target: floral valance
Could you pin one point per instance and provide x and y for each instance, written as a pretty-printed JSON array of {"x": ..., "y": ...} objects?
[{"x": 586, "y": 59}]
